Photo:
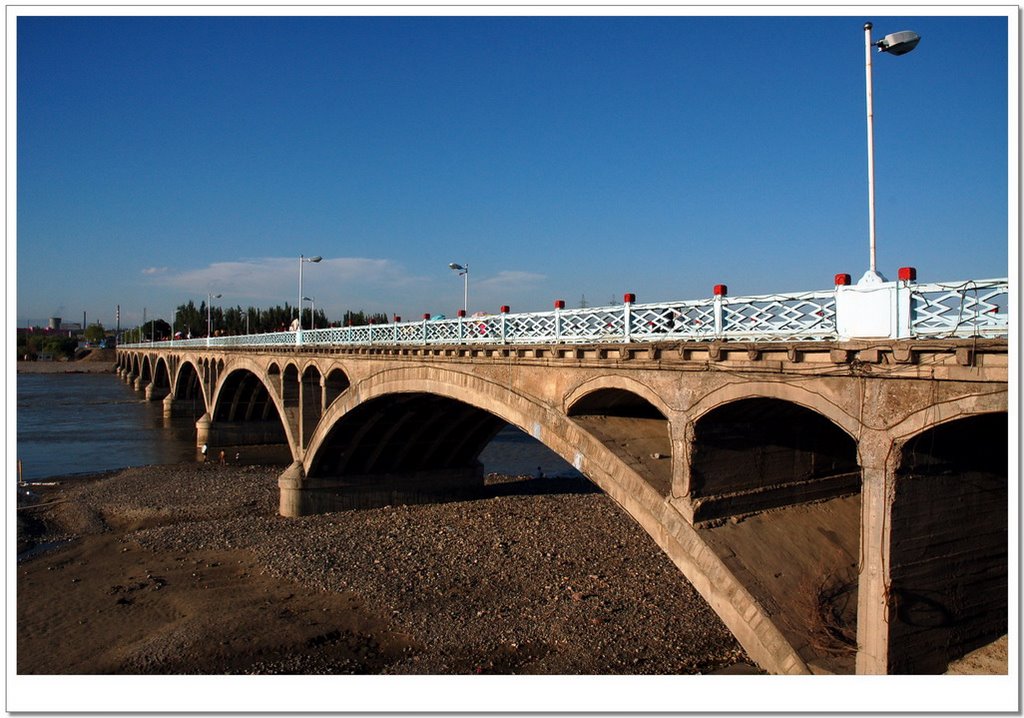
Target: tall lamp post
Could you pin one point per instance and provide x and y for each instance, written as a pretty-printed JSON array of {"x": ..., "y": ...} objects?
[
  {"x": 210, "y": 296},
  {"x": 303, "y": 260},
  {"x": 463, "y": 272},
  {"x": 898, "y": 43}
]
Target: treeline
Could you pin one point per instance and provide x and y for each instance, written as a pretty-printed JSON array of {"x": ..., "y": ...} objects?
[
  {"x": 59, "y": 344},
  {"x": 192, "y": 320}
]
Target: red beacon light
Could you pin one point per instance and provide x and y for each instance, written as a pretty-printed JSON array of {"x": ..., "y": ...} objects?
[
  {"x": 843, "y": 280},
  {"x": 720, "y": 290},
  {"x": 907, "y": 274},
  {"x": 504, "y": 309},
  {"x": 559, "y": 304},
  {"x": 629, "y": 298}
]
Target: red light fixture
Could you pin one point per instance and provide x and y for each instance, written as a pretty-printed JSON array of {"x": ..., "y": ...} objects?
[
  {"x": 843, "y": 280},
  {"x": 504, "y": 309},
  {"x": 559, "y": 304},
  {"x": 629, "y": 298},
  {"x": 720, "y": 290},
  {"x": 907, "y": 274}
]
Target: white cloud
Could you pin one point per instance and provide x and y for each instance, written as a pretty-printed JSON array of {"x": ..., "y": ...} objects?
[
  {"x": 154, "y": 270},
  {"x": 343, "y": 283},
  {"x": 511, "y": 280}
]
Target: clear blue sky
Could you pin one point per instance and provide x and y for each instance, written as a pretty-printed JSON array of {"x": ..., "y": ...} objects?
[{"x": 162, "y": 158}]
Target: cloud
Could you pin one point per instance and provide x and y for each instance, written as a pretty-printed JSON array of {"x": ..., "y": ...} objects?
[
  {"x": 154, "y": 270},
  {"x": 511, "y": 280},
  {"x": 339, "y": 284},
  {"x": 344, "y": 281}
]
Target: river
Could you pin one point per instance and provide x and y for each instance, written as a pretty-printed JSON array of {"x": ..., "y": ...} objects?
[{"x": 89, "y": 423}]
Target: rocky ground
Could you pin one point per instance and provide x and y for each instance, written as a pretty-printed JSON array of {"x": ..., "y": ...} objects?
[{"x": 189, "y": 569}]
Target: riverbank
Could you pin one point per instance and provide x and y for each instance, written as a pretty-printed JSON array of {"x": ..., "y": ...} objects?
[
  {"x": 99, "y": 365},
  {"x": 188, "y": 569}
]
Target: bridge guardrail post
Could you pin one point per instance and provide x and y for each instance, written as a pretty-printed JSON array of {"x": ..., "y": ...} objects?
[
  {"x": 559, "y": 306},
  {"x": 426, "y": 318},
  {"x": 720, "y": 291},
  {"x": 504, "y": 331},
  {"x": 904, "y": 291},
  {"x": 627, "y": 317}
]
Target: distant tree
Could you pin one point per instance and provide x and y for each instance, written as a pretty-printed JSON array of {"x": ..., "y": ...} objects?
[
  {"x": 59, "y": 347},
  {"x": 94, "y": 333},
  {"x": 155, "y": 330}
]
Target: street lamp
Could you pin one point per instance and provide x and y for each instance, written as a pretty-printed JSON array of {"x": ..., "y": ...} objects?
[
  {"x": 312, "y": 312},
  {"x": 209, "y": 323},
  {"x": 303, "y": 260},
  {"x": 898, "y": 43},
  {"x": 463, "y": 272}
]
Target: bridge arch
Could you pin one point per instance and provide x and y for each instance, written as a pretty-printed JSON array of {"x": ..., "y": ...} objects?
[
  {"x": 815, "y": 400},
  {"x": 737, "y": 607},
  {"x": 610, "y": 383},
  {"x": 188, "y": 383},
  {"x": 161, "y": 378},
  {"x": 247, "y": 409},
  {"x": 948, "y": 536},
  {"x": 633, "y": 422}
]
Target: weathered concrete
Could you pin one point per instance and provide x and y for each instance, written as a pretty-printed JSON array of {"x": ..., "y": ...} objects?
[{"x": 688, "y": 439}]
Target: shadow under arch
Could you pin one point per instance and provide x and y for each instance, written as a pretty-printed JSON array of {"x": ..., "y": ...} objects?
[
  {"x": 247, "y": 411},
  {"x": 949, "y": 540},
  {"x": 435, "y": 387},
  {"x": 188, "y": 388},
  {"x": 774, "y": 487}
]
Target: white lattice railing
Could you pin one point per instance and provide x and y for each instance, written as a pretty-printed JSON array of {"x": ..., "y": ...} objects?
[
  {"x": 955, "y": 309},
  {"x": 963, "y": 309}
]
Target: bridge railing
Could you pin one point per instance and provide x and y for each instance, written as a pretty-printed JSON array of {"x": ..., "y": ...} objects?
[
  {"x": 961, "y": 309},
  {"x": 902, "y": 309}
]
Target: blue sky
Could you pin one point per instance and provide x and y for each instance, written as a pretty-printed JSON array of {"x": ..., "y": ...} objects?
[{"x": 163, "y": 158}]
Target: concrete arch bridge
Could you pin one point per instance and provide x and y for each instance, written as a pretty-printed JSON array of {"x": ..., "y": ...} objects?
[{"x": 841, "y": 505}]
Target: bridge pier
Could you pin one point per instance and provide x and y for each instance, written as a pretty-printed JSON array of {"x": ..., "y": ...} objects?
[
  {"x": 302, "y": 495},
  {"x": 178, "y": 408},
  {"x": 873, "y": 614},
  {"x": 156, "y": 393}
]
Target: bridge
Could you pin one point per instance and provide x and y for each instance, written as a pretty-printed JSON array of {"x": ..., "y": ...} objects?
[{"x": 828, "y": 469}]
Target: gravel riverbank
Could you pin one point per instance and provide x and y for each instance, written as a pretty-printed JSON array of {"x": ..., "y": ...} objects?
[{"x": 189, "y": 569}]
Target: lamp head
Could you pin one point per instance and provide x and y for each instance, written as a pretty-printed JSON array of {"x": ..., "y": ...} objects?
[
  {"x": 898, "y": 43},
  {"x": 454, "y": 266},
  {"x": 315, "y": 259}
]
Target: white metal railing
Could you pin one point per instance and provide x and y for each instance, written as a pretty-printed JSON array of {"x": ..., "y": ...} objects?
[
  {"x": 952, "y": 309},
  {"x": 963, "y": 309}
]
